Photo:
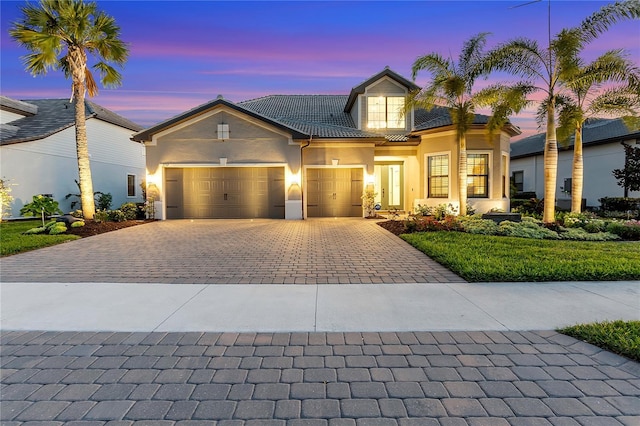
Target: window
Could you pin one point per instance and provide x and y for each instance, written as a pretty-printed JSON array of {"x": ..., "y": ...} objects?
[
  {"x": 385, "y": 112},
  {"x": 438, "y": 177},
  {"x": 223, "y": 131},
  {"x": 518, "y": 180},
  {"x": 478, "y": 175},
  {"x": 131, "y": 185},
  {"x": 505, "y": 181}
]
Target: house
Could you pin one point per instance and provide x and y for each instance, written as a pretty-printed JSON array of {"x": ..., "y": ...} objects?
[
  {"x": 38, "y": 152},
  {"x": 602, "y": 153},
  {"x": 299, "y": 156}
]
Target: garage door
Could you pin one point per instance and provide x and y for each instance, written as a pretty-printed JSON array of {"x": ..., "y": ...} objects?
[
  {"x": 334, "y": 192},
  {"x": 225, "y": 193}
]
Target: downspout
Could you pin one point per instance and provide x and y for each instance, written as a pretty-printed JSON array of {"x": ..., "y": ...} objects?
[{"x": 302, "y": 172}]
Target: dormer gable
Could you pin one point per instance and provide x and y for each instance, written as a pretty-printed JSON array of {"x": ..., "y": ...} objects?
[
  {"x": 377, "y": 104},
  {"x": 386, "y": 72}
]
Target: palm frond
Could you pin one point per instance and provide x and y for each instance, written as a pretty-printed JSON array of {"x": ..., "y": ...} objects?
[
  {"x": 608, "y": 15},
  {"x": 521, "y": 57},
  {"x": 432, "y": 63},
  {"x": 109, "y": 76},
  {"x": 472, "y": 55}
]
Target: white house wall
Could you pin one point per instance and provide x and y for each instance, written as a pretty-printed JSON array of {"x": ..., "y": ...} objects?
[
  {"x": 599, "y": 162},
  {"x": 49, "y": 166},
  {"x": 8, "y": 117}
]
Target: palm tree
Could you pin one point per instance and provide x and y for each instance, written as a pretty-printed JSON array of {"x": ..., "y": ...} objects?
[
  {"x": 61, "y": 34},
  {"x": 588, "y": 100},
  {"x": 451, "y": 86},
  {"x": 550, "y": 67}
]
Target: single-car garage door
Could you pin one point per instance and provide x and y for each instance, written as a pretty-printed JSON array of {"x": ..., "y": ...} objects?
[
  {"x": 225, "y": 192},
  {"x": 334, "y": 192}
]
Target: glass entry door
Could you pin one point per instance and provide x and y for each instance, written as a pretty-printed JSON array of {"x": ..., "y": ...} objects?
[{"x": 389, "y": 185}]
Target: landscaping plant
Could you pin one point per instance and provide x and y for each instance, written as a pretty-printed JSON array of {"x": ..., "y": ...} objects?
[{"x": 40, "y": 204}]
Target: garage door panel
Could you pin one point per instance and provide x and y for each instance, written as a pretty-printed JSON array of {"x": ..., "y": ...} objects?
[{"x": 334, "y": 192}]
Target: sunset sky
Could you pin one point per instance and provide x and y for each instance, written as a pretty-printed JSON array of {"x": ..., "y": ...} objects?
[{"x": 185, "y": 53}]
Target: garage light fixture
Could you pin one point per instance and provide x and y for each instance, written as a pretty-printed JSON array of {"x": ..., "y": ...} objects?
[{"x": 223, "y": 131}]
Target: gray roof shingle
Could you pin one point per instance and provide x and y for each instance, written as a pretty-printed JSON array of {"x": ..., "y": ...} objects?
[
  {"x": 55, "y": 115},
  {"x": 595, "y": 131}
]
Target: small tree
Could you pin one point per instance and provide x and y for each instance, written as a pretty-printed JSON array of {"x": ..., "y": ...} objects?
[
  {"x": 629, "y": 176},
  {"x": 5, "y": 198}
]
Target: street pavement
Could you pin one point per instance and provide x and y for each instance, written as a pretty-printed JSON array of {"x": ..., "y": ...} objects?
[{"x": 102, "y": 348}]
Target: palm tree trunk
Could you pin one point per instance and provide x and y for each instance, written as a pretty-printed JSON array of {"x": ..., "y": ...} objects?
[
  {"x": 462, "y": 174},
  {"x": 577, "y": 174},
  {"x": 82, "y": 147},
  {"x": 550, "y": 164}
]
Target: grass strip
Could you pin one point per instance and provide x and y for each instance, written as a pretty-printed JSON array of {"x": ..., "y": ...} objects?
[
  {"x": 621, "y": 337},
  {"x": 12, "y": 240},
  {"x": 482, "y": 258}
]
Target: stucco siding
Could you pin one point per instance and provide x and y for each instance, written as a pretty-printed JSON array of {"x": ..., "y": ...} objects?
[{"x": 324, "y": 155}]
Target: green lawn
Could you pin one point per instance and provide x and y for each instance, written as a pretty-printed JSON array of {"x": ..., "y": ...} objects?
[
  {"x": 12, "y": 241},
  {"x": 621, "y": 337},
  {"x": 481, "y": 258}
]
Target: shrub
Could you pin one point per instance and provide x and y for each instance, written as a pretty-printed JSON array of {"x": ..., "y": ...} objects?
[
  {"x": 628, "y": 230},
  {"x": 101, "y": 216},
  {"x": 580, "y": 234},
  {"x": 58, "y": 228},
  {"x": 424, "y": 210},
  {"x": 129, "y": 210},
  {"x": 77, "y": 213},
  {"x": 476, "y": 225},
  {"x": 116, "y": 215},
  {"x": 40, "y": 203},
  {"x": 103, "y": 201},
  {"x": 619, "y": 204},
  {"x": 5, "y": 198},
  {"x": 530, "y": 206},
  {"x": 33, "y": 231},
  {"x": 526, "y": 229},
  {"x": 443, "y": 210},
  {"x": 78, "y": 224},
  {"x": 430, "y": 223}
]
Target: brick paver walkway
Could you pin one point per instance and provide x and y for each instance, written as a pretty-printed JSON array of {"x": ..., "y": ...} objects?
[
  {"x": 316, "y": 251},
  {"x": 456, "y": 378}
]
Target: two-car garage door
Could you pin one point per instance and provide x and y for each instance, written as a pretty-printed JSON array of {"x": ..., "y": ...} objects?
[{"x": 225, "y": 192}]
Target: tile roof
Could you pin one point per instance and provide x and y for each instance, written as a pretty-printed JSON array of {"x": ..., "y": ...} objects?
[
  {"x": 55, "y": 115},
  {"x": 322, "y": 116},
  {"x": 595, "y": 132}
]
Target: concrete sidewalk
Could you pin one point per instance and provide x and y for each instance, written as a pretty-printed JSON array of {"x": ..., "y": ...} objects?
[{"x": 314, "y": 308}]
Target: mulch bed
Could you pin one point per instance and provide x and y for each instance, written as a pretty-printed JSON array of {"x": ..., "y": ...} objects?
[
  {"x": 95, "y": 228},
  {"x": 394, "y": 226}
]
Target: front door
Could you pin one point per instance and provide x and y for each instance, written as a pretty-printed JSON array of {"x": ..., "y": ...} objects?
[{"x": 389, "y": 185}]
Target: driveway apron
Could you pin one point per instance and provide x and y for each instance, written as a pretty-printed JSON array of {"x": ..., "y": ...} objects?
[{"x": 260, "y": 251}]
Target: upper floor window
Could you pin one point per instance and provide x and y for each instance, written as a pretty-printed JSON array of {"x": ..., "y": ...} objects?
[
  {"x": 477, "y": 175},
  {"x": 385, "y": 112}
]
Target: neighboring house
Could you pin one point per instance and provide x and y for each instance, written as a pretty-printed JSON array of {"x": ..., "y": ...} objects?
[
  {"x": 298, "y": 156},
  {"x": 602, "y": 153},
  {"x": 38, "y": 152}
]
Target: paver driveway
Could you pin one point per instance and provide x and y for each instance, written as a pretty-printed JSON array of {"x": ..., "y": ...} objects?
[{"x": 315, "y": 251}]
